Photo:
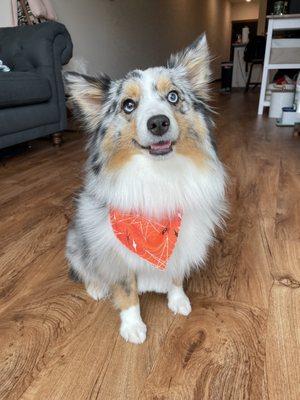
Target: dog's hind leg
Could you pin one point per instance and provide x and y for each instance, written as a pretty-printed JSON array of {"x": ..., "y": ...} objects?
[
  {"x": 126, "y": 299},
  {"x": 178, "y": 302},
  {"x": 73, "y": 254},
  {"x": 95, "y": 286},
  {"x": 97, "y": 289}
]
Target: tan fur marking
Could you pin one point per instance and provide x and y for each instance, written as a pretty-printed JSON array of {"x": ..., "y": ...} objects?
[
  {"x": 187, "y": 145},
  {"x": 132, "y": 90},
  {"x": 120, "y": 151},
  {"x": 177, "y": 282},
  {"x": 164, "y": 85},
  {"x": 89, "y": 97},
  {"x": 126, "y": 295},
  {"x": 198, "y": 126}
]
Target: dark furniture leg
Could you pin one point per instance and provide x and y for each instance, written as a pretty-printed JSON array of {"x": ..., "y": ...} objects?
[
  {"x": 249, "y": 78},
  {"x": 57, "y": 139}
]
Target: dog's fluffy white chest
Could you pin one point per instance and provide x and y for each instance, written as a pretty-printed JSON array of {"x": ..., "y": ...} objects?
[{"x": 159, "y": 189}]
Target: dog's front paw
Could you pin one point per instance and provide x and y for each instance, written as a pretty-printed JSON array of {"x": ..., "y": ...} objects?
[
  {"x": 178, "y": 302},
  {"x": 132, "y": 327},
  {"x": 134, "y": 332}
]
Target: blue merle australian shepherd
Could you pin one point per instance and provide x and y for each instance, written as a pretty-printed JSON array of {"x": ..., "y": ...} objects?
[{"x": 151, "y": 164}]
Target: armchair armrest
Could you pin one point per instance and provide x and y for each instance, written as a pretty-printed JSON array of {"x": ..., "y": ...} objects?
[{"x": 26, "y": 48}]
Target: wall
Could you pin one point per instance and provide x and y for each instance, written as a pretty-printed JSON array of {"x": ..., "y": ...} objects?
[
  {"x": 5, "y": 13},
  {"x": 115, "y": 36},
  {"x": 243, "y": 11}
]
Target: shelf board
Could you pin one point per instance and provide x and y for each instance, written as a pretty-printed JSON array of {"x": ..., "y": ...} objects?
[{"x": 284, "y": 66}]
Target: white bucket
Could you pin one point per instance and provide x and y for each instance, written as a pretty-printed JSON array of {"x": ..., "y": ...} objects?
[
  {"x": 283, "y": 88},
  {"x": 280, "y": 99}
]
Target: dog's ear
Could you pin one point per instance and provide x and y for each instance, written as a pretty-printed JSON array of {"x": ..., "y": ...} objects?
[
  {"x": 87, "y": 95},
  {"x": 195, "y": 62}
]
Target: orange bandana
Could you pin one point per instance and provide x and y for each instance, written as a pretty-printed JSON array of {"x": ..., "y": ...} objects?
[{"x": 151, "y": 239}]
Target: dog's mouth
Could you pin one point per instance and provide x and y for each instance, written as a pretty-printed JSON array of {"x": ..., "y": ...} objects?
[{"x": 158, "y": 149}]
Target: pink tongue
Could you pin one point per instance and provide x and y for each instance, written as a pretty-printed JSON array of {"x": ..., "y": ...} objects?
[{"x": 161, "y": 145}]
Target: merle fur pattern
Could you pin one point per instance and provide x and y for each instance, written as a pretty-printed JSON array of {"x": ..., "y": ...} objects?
[{"x": 121, "y": 173}]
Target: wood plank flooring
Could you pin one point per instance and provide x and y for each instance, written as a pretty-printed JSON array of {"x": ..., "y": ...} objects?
[{"x": 242, "y": 339}]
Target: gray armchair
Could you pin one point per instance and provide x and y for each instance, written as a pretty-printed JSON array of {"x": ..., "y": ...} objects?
[{"x": 32, "y": 99}]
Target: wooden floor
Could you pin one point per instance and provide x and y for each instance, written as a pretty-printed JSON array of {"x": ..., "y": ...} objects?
[{"x": 242, "y": 339}]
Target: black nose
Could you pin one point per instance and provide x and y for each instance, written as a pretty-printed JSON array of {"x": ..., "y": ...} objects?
[{"x": 158, "y": 124}]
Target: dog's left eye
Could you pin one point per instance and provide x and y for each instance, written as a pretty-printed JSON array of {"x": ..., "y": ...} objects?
[
  {"x": 129, "y": 105},
  {"x": 173, "y": 97}
]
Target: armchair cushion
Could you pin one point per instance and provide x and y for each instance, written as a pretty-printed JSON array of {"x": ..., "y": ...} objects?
[{"x": 23, "y": 88}]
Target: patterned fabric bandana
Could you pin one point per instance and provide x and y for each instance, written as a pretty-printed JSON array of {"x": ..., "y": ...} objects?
[{"x": 151, "y": 239}]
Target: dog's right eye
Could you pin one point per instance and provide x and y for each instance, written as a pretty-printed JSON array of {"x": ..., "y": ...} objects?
[{"x": 129, "y": 105}]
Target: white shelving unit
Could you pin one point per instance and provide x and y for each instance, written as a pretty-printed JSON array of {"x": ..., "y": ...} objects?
[{"x": 277, "y": 22}]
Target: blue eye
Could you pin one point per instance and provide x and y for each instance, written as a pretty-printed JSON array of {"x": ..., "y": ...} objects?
[
  {"x": 128, "y": 106},
  {"x": 173, "y": 97}
]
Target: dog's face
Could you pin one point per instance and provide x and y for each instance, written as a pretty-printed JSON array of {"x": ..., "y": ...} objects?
[{"x": 157, "y": 113}]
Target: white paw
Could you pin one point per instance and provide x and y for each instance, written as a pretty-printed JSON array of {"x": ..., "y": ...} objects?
[
  {"x": 132, "y": 327},
  {"x": 134, "y": 332},
  {"x": 97, "y": 291},
  {"x": 178, "y": 302}
]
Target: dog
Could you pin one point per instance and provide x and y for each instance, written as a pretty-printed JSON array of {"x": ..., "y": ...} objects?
[{"x": 154, "y": 188}]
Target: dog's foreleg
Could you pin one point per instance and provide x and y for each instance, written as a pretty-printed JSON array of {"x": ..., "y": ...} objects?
[
  {"x": 178, "y": 302},
  {"x": 126, "y": 299}
]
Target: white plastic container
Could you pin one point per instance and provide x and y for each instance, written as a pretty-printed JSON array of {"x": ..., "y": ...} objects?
[
  {"x": 245, "y": 35},
  {"x": 274, "y": 86},
  {"x": 297, "y": 94},
  {"x": 280, "y": 99}
]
